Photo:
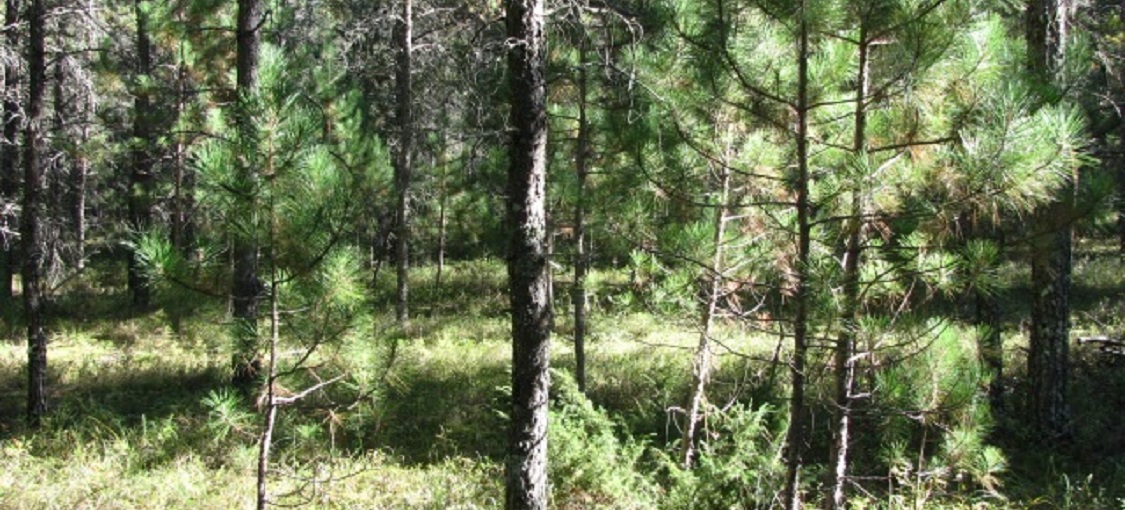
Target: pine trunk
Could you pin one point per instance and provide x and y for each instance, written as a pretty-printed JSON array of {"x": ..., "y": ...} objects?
[
  {"x": 526, "y": 486},
  {"x": 1048, "y": 350},
  {"x": 31, "y": 220},
  {"x": 405, "y": 159},
  {"x": 581, "y": 257},
  {"x": 246, "y": 288},
  {"x": 795, "y": 437},
  {"x": 702, "y": 364},
  {"x": 140, "y": 177}
]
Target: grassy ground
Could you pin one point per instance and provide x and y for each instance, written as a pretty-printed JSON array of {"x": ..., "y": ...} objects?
[{"x": 142, "y": 417}]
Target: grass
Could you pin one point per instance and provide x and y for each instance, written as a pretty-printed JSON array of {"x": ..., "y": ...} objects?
[{"x": 142, "y": 416}]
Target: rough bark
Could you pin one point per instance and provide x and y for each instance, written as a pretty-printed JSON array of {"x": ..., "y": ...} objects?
[
  {"x": 9, "y": 157},
  {"x": 795, "y": 437},
  {"x": 141, "y": 174},
  {"x": 404, "y": 159},
  {"x": 1048, "y": 349},
  {"x": 246, "y": 288},
  {"x": 31, "y": 220},
  {"x": 526, "y": 486},
  {"x": 702, "y": 365}
]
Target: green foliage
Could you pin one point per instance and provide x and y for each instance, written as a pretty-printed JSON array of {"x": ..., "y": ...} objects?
[
  {"x": 590, "y": 464},
  {"x": 739, "y": 466}
]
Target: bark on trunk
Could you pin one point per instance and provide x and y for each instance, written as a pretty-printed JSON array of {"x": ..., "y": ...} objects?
[
  {"x": 404, "y": 160},
  {"x": 581, "y": 257},
  {"x": 1048, "y": 350},
  {"x": 246, "y": 288},
  {"x": 702, "y": 364},
  {"x": 183, "y": 179},
  {"x": 849, "y": 315},
  {"x": 9, "y": 159},
  {"x": 526, "y": 486},
  {"x": 78, "y": 178},
  {"x": 795, "y": 437},
  {"x": 31, "y": 221},
  {"x": 141, "y": 178}
]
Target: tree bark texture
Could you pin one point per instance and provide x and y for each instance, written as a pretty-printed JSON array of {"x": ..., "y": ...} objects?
[
  {"x": 31, "y": 220},
  {"x": 9, "y": 158},
  {"x": 1048, "y": 350},
  {"x": 246, "y": 288},
  {"x": 1048, "y": 356},
  {"x": 404, "y": 159},
  {"x": 141, "y": 175},
  {"x": 795, "y": 436},
  {"x": 526, "y": 486}
]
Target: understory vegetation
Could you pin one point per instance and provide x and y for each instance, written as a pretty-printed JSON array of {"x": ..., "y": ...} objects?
[{"x": 145, "y": 416}]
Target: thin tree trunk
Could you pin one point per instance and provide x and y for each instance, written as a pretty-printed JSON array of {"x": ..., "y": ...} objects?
[
  {"x": 78, "y": 179},
  {"x": 526, "y": 486},
  {"x": 405, "y": 158},
  {"x": 443, "y": 200},
  {"x": 246, "y": 285},
  {"x": 9, "y": 159},
  {"x": 266, "y": 440},
  {"x": 581, "y": 257},
  {"x": 31, "y": 220},
  {"x": 140, "y": 178},
  {"x": 183, "y": 179},
  {"x": 702, "y": 364},
  {"x": 849, "y": 323},
  {"x": 795, "y": 437}
]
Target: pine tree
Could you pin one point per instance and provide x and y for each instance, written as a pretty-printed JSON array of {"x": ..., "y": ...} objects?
[
  {"x": 32, "y": 216},
  {"x": 526, "y": 486}
]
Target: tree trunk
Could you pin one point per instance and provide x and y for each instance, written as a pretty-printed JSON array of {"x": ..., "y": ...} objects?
[
  {"x": 795, "y": 437},
  {"x": 9, "y": 159},
  {"x": 1048, "y": 360},
  {"x": 140, "y": 178},
  {"x": 183, "y": 179},
  {"x": 849, "y": 315},
  {"x": 78, "y": 178},
  {"x": 581, "y": 257},
  {"x": 526, "y": 486},
  {"x": 404, "y": 159},
  {"x": 1048, "y": 349},
  {"x": 702, "y": 365},
  {"x": 31, "y": 220},
  {"x": 246, "y": 288}
]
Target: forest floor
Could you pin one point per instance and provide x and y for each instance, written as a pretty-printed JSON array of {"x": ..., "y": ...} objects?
[{"x": 142, "y": 416}]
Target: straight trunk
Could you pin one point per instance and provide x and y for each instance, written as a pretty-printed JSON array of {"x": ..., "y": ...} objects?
[
  {"x": 140, "y": 178},
  {"x": 1048, "y": 350},
  {"x": 9, "y": 158},
  {"x": 78, "y": 177},
  {"x": 526, "y": 466},
  {"x": 581, "y": 257},
  {"x": 702, "y": 365},
  {"x": 32, "y": 217},
  {"x": 849, "y": 323},
  {"x": 246, "y": 288},
  {"x": 404, "y": 159},
  {"x": 183, "y": 178},
  {"x": 795, "y": 437}
]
